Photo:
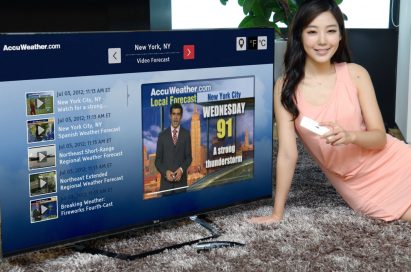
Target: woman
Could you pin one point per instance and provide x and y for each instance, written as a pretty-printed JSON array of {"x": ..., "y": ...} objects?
[{"x": 364, "y": 164}]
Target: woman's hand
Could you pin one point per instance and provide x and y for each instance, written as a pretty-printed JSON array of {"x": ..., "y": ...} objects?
[
  {"x": 265, "y": 219},
  {"x": 337, "y": 135}
]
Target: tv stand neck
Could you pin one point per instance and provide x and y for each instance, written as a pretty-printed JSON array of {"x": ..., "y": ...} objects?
[{"x": 203, "y": 221}]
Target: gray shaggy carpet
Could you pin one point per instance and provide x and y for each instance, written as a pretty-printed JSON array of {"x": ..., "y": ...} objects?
[{"x": 319, "y": 233}]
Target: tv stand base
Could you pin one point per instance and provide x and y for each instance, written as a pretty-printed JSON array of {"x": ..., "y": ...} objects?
[{"x": 199, "y": 244}]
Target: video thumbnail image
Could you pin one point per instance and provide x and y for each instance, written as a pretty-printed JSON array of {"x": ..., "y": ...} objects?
[
  {"x": 42, "y": 156},
  {"x": 43, "y": 183},
  {"x": 215, "y": 159},
  {"x": 40, "y": 130},
  {"x": 43, "y": 209},
  {"x": 40, "y": 103},
  {"x": 214, "y": 144}
]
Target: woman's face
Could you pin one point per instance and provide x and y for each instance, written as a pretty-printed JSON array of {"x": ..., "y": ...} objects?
[{"x": 321, "y": 38}]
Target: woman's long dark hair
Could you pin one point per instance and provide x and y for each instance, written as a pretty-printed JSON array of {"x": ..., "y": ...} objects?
[{"x": 295, "y": 56}]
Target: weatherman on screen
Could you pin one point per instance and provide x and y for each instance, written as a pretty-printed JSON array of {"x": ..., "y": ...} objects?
[{"x": 173, "y": 154}]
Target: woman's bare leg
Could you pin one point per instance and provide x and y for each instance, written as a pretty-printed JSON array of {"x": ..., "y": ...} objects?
[{"x": 407, "y": 215}]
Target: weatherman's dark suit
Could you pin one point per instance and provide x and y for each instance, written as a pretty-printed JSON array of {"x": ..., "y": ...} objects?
[{"x": 171, "y": 157}]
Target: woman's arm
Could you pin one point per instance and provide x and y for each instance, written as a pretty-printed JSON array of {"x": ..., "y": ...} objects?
[
  {"x": 286, "y": 158},
  {"x": 374, "y": 137}
]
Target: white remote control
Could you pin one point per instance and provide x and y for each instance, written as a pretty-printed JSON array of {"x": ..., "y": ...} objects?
[{"x": 313, "y": 126}]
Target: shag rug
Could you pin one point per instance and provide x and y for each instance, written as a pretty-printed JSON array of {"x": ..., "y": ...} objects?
[{"x": 319, "y": 233}]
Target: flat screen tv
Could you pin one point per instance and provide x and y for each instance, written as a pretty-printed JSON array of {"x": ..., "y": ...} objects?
[{"x": 85, "y": 118}]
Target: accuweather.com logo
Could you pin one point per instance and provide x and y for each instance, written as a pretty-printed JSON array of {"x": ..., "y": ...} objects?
[{"x": 27, "y": 47}]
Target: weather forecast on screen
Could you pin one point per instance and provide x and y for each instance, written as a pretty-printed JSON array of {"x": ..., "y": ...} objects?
[{"x": 111, "y": 131}]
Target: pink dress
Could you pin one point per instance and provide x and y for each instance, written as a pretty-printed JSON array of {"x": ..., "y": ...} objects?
[{"x": 374, "y": 182}]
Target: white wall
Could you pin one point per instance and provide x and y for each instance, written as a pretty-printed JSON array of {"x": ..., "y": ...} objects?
[
  {"x": 359, "y": 18},
  {"x": 403, "y": 96},
  {"x": 188, "y": 14}
]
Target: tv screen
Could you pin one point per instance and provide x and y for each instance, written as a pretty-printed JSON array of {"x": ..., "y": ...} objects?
[{"x": 88, "y": 144}]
